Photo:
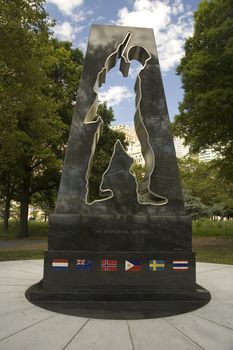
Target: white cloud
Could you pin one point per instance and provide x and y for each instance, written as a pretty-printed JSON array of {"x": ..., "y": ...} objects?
[
  {"x": 115, "y": 94},
  {"x": 83, "y": 46},
  {"x": 67, "y": 6},
  {"x": 66, "y": 31},
  {"x": 177, "y": 7},
  {"x": 172, "y": 24}
]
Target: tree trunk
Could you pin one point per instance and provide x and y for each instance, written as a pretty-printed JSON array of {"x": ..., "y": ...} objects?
[
  {"x": 24, "y": 204},
  {"x": 7, "y": 212}
]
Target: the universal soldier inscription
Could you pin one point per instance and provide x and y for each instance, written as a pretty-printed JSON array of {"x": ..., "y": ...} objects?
[{"x": 129, "y": 253}]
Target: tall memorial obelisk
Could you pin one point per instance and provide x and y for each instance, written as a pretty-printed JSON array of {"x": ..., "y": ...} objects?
[{"x": 128, "y": 255}]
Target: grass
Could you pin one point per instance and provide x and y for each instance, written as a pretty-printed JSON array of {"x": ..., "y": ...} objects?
[
  {"x": 218, "y": 255},
  {"x": 36, "y": 229},
  {"x": 208, "y": 228},
  {"x": 21, "y": 254}
]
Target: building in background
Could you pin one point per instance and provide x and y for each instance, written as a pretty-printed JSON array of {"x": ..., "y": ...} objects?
[
  {"x": 181, "y": 150},
  {"x": 134, "y": 147},
  {"x": 207, "y": 155}
]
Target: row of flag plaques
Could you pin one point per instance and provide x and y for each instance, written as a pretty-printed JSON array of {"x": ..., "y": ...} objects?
[{"x": 112, "y": 265}]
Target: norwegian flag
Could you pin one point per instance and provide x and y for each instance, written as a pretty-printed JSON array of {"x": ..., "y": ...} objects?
[{"x": 108, "y": 265}]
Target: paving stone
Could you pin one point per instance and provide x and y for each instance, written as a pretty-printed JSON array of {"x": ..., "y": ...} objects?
[
  {"x": 24, "y": 326},
  {"x": 219, "y": 282},
  {"x": 217, "y": 312},
  {"x": 207, "y": 267},
  {"x": 158, "y": 334},
  {"x": 102, "y": 335},
  {"x": 50, "y": 334},
  {"x": 19, "y": 274},
  {"x": 13, "y": 289},
  {"x": 19, "y": 320},
  {"x": 208, "y": 335},
  {"x": 28, "y": 266},
  {"x": 10, "y": 303}
]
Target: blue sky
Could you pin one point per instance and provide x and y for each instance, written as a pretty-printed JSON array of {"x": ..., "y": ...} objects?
[{"x": 172, "y": 21}]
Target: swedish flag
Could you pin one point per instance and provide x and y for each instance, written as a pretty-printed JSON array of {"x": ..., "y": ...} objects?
[{"x": 157, "y": 265}]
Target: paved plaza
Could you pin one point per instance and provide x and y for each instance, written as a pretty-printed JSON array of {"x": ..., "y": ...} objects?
[{"x": 24, "y": 326}]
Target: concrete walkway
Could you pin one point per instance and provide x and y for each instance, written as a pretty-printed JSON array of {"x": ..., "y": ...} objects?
[
  {"x": 24, "y": 326},
  {"x": 23, "y": 244}
]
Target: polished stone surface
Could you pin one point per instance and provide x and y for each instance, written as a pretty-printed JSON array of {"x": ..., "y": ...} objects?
[
  {"x": 107, "y": 45},
  {"x": 118, "y": 293},
  {"x": 24, "y": 326},
  {"x": 117, "y": 232},
  {"x": 133, "y": 221},
  {"x": 120, "y": 280},
  {"x": 149, "y": 216}
]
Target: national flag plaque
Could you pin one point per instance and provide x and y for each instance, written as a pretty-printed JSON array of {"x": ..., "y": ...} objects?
[
  {"x": 180, "y": 265},
  {"x": 157, "y": 265},
  {"x": 108, "y": 265},
  {"x": 133, "y": 265},
  {"x": 83, "y": 264},
  {"x": 60, "y": 264}
]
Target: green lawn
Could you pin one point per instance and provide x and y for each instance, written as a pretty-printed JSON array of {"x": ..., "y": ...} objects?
[
  {"x": 208, "y": 228},
  {"x": 21, "y": 254},
  {"x": 37, "y": 229},
  {"x": 218, "y": 255}
]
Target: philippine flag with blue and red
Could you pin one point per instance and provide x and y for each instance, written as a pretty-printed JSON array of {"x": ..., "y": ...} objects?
[{"x": 133, "y": 265}]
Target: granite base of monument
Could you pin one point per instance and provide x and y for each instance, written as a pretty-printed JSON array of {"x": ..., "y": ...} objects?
[
  {"x": 120, "y": 232},
  {"x": 155, "y": 287}
]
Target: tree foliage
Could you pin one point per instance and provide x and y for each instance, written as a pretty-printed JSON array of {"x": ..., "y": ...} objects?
[
  {"x": 39, "y": 79},
  {"x": 139, "y": 171},
  {"x": 64, "y": 68},
  {"x": 205, "y": 192},
  {"x": 205, "y": 119},
  {"x": 194, "y": 205}
]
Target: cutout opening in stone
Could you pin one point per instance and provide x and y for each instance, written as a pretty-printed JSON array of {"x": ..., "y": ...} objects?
[{"x": 125, "y": 54}]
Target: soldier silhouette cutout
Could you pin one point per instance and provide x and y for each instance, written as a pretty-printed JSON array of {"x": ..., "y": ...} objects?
[{"x": 144, "y": 194}]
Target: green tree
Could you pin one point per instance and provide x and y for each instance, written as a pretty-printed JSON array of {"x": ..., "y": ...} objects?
[
  {"x": 205, "y": 192},
  {"x": 30, "y": 126},
  {"x": 139, "y": 171},
  {"x": 104, "y": 150},
  {"x": 39, "y": 81},
  {"x": 45, "y": 200},
  {"x": 64, "y": 66},
  {"x": 194, "y": 205},
  {"x": 64, "y": 70},
  {"x": 205, "y": 119}
]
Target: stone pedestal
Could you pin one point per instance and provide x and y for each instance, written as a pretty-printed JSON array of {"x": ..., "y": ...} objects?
[{"x": 149, "y": 291}]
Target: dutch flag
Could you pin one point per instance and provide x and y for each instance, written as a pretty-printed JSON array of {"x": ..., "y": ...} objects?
[{"x": 60, "y": 264}]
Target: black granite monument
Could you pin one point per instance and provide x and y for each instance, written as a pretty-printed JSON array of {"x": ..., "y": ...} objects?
[{"x": 128, "y": 255}]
